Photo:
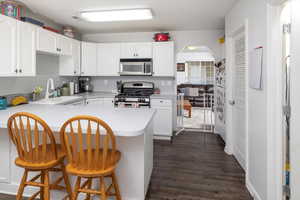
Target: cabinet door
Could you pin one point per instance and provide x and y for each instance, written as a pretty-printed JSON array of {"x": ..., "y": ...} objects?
[
  {"x": 163, "y": 122},
  {"x": 88, "y": 59},
  {"x": 26, "y": 49},
  {"x": 98, "y": 101},
  {"x": 64, "y": 45},
  {"x": 136, "y": 50},
  {"x": 47, "y": 41},
  {"x": 70, "y": 65},
  {"x": 163, "y": 59},
  {"x": 143, "y": 50},
  {"x": 108, "y": 102},
  {"x": 8, "y": 41},
  {"x": 76, "y": 53},
  {"x": 128, "y": 50},
  {"x": 108, "y": 59}
]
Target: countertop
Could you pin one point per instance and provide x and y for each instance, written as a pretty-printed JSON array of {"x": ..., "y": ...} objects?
[
  {"x": 163, "y": 96},
  {"x": 92, "y": 95},
  {"x": 123, "y": 121}
]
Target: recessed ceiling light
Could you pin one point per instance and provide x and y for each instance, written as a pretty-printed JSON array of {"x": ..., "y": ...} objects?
[{"x": 116, "y": 15}]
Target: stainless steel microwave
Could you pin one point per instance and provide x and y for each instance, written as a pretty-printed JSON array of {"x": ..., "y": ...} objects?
[{"x": 136, "y": 67}]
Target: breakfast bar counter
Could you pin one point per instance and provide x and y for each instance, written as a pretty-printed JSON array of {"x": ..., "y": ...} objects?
[{"x": 133, "y": 129}]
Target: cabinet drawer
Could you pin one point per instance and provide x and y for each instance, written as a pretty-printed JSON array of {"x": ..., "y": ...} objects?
[{"x": 161, "y": 103}]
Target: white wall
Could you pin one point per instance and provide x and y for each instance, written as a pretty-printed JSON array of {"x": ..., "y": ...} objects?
[
  {"x": 208, "y": 38},
  {"x": 255, "y": 11},
  {"x": 295, "y": 101}
]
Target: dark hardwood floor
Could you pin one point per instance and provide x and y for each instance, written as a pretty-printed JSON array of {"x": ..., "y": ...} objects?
[{"x": 194, "y": 167}]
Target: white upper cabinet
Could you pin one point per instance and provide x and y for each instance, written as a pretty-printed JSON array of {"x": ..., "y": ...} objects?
[
  {"x": 47, "y": 41},
  {"x": 70, "y": 65},
  {"x": 136, "y": 50},
  {"x": 88, "y": 59},
  {"x": 163, "y": 59},
  {"x": 8, "y": 41},
  {"x": 64, "y": 45},
  {"x": 26, "y": 49},
  {"x": 108, "y": 59}
]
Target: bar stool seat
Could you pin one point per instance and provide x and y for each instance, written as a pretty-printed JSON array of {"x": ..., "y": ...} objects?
[
  {"x": 97, "y": 171},
  {"x": 61, "y": 154}
]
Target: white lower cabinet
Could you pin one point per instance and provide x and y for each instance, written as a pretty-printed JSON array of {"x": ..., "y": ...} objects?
[
  {"x": 163, "y": 119},
  {"x": 107, "y": 102}
]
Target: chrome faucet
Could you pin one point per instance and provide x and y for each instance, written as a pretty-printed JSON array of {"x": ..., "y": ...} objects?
[{"x": 50, "y": 88}]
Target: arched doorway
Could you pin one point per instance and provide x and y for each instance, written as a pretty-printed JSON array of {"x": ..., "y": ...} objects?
[{"x": 196, "y": 80}]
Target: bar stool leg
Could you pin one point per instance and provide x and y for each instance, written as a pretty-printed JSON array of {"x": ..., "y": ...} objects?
[
  {"x": 47, "y": 186},
  {"x": 89, "y": 186},
  {"x": 22, "y": 185},
  {"x": 77, "y": 187},
  {"x": 43, "y": 182},
  {"x": 66, "y": 180},
  {"x": 102, "y": 187},
  {"x": 116, "y": 186}
]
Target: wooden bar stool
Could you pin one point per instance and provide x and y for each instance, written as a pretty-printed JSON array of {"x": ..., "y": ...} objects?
[
  {"x": 38, "y": 152},
  {"x": 91, "y": 155}
]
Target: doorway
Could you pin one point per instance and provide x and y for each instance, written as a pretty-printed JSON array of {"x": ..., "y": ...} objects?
[{"x": 196, "y": 81}]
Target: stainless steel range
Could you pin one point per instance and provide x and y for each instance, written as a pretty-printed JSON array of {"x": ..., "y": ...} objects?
[{"x": 134, "y": 94}]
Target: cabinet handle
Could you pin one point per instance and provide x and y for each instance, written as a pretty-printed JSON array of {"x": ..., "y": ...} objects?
[
  {"x": 74, "y": 72},
  {"x": 20, "y": 70},
  {"x": 16, "y": 70}
]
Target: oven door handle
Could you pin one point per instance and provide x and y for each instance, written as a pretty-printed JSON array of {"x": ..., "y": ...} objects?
[
  {"x": 121, "y": 68},
  {"x": 145, "y": 68}
]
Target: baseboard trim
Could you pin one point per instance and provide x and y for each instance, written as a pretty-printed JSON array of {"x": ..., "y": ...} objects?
[
  {"x": 156, "y": 137},
  {"x": 239, "y": 157},
  {"x": 252, "y": 191}
]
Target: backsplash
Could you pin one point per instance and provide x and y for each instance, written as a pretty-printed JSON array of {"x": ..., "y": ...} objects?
[
  {"x": 108, "y": 84},
  {"x": 47, "y": 67}
]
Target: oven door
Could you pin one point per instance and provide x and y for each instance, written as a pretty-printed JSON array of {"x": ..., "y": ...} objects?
[{"x": 135, "y": 68}]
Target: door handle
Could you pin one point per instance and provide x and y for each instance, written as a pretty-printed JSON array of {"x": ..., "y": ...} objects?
[{"x": 232, "y": 102}]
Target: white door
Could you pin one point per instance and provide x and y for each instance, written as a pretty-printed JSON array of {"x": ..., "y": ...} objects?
[
  {"x": 163, "y": 59},
  {"x": 26, "y": 49},
  {"x": 239, "y": 96},
  {"x": 8, "y": 42},
  {"x": 108, "y": 59},
  {"x": 47, "y": 41},
  {"x": 295, "y": 101},
  {"x": 64, "y": 45},
  {"x": 88, "y": 59}
]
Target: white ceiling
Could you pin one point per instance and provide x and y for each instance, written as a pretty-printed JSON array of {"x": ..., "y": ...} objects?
[{"x": 168, "y": 14}]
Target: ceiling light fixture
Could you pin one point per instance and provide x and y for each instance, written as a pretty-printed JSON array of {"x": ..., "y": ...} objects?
[{"x": 116, "y": 15}]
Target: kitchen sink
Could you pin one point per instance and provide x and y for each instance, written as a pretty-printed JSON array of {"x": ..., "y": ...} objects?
[{"x": 59, "y": 100}]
